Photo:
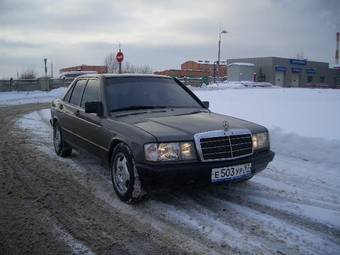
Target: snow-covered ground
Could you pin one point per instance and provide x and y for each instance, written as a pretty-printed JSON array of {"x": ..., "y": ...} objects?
[
  {"x": 292, "y": 207},
  {"x": 27, "y": 97},
  {"x": 305, "y": 112}
]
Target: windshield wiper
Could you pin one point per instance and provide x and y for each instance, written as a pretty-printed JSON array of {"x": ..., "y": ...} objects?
[{"x": 137, "y": 107}]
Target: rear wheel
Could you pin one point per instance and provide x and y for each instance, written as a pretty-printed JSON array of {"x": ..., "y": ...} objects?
[
  {"x": 61, "y": 148},
  {"x": 125, "y": 179}
]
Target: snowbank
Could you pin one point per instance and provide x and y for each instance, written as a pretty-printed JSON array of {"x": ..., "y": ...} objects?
[
  {"x": 317, "y": 150},
  {"x": 235, "y": 85},
  {"x": 27, "y": 97},
  {"x": 305, "y": 112}
]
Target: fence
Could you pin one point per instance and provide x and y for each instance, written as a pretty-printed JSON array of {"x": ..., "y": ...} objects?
[{"x": 31, "y": 84}]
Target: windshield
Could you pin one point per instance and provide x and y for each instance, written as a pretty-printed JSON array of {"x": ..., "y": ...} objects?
[{"x": 125, "y": 93}]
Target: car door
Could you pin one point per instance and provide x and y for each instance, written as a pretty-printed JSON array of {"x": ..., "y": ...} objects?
[
  {"x": 91, "y": 128},
  {"x": 71, "y": 121}
]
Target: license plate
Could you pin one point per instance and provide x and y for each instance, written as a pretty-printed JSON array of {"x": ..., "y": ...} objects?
[{"x": 230, "y": 172}]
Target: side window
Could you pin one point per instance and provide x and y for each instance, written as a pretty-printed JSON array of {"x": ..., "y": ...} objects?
[
  {"x": 78, "y": 92},
  {"x": 68, "y": 94},
  {"x": 91, "y": 93}
]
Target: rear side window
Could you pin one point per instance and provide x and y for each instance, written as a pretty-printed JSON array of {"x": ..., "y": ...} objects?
[
  {"x": 78, "y": 92},
  {"x": 68, "y": 94},
  {"x": 91, "y": 93}
]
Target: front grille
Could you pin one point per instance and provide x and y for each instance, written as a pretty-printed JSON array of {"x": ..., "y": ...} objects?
[{"x": 230, "y": 145}]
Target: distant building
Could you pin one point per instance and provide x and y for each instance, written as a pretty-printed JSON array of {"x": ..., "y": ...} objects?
[
  {"x": 193, "y": 69},
  {"x": 241, "y": 72},
  {"x": 293, "y": 72},
  {"x": 98, "y": 69}
]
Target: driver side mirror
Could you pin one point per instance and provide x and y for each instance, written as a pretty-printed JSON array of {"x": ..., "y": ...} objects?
[
  {"x": 206, "y": 104},
  {"x": 94, "y": 107}
]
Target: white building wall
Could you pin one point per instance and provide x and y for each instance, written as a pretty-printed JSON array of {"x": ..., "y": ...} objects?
[
  {"x": 233, "y": 73},
  {"x": 241, "y": 72}
]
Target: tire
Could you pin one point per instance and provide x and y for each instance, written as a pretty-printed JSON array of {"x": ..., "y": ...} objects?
[
  {"x": 125, "y": 179},
  {"x": 61, "y": 148}
]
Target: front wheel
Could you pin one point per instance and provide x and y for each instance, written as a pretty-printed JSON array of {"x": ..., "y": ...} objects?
[{"x": 125, "y": 179}]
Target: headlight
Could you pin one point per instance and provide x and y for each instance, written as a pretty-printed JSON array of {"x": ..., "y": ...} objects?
[
  {"x": 169, "y": 151},
  {"x": 260, "y": 141},
  {"x": 187, "y": 151}
]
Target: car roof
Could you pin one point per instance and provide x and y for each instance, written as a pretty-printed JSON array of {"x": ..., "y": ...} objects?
[{"x": 113, "y": 75}]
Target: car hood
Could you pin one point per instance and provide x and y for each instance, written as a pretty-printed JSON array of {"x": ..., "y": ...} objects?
[{"x": 179, "y": 126}]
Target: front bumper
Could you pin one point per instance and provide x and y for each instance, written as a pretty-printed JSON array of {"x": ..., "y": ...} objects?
[{"x": 161, "y": 173}]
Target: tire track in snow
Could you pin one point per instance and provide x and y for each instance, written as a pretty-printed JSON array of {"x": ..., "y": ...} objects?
[
  {"x": 211, "y": 223},
  {"x": 280, "y": 228},
  {"x": 292, "y": 216}
]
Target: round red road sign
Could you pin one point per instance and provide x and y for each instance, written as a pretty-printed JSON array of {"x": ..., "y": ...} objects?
[{"x": 120, "y": 56}]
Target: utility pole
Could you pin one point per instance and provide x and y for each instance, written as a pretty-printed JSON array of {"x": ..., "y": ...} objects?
[
  {"x": 337, "y": 48},
  {"x": 51, "y": 69},
  {"x": 219, "y": 53},
  {"x": 45, "y": 61},
  {"x": 214, "y": 73}
]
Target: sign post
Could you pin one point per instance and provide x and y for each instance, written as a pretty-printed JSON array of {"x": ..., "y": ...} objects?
[{"x": 120, "y": 58}]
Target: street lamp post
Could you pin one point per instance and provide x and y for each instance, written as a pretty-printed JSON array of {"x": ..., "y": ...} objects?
[{"x": 219, "y": 51}]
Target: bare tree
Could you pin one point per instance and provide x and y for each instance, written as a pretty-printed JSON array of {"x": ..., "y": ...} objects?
[
  {"x": 145, "y": 69},
  {"x": 28, "y": 74},
  {"x": 111, "y": 63},
  {"x": 113, "y": 66}
]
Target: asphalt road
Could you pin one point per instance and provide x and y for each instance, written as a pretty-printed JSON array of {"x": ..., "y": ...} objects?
[{"x": 45, "y": 211}]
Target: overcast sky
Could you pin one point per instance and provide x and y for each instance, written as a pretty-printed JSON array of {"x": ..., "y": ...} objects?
[{"x": 162, "y": 33}]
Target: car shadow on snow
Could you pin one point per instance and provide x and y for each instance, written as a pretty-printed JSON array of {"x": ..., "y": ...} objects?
[{"x": 169, "y": 192}]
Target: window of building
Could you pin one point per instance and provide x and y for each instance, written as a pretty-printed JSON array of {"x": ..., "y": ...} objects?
[
  {"x": 336, "y": 81},
  {"x": 91, "y": 93},
  {"x": 309, "y": 79},
  {"x": 322, "y": 79},
  {"x": 78, "y": 92}
]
